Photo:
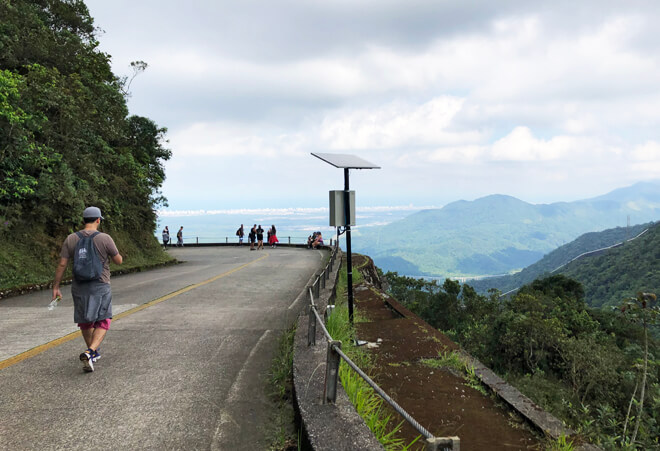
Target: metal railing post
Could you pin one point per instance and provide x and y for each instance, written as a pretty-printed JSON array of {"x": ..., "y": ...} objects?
[
  {"x": 197, "y": 238},
  {"x": 443, "y": 443},
  {"x": 311, "y": 330},
  {"x": 328, "y": 311},
  {"x": 317, "y": 290},
  {"x": 331, "y": 373},
  {"x": 322, "y": 278}
]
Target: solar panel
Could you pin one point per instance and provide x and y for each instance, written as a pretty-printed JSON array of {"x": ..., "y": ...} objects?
[{"x": 344, "y": 161}]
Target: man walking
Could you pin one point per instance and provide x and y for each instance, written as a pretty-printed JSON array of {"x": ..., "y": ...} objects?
[
  {"x": 92, "y": 299},
  {"x": 179, "y": 237}
]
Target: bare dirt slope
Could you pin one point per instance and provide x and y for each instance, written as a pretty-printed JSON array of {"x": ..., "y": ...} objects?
[{"x": 438, "y": 398}]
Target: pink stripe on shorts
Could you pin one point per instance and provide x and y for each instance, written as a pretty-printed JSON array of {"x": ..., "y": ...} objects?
[{"x": 103, "y": 324}]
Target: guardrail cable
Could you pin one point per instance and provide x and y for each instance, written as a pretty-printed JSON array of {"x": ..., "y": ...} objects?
[
  {"x": 318, "y": 317},
  {"x": 421, "y": 429},
  {"x": 332, "y": 367}
]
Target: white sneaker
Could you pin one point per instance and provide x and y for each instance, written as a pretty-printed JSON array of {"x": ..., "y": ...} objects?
[{"x": 88, "y": 361}]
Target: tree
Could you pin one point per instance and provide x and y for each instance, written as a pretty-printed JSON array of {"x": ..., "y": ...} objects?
[
  {"x": 641, "y": 310},
  {"x": 138, "y": 67},
  {"x": 66, "y": 138}
]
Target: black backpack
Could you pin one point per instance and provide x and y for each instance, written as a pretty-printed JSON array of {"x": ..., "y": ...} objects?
[{"x": 87, "y": 264}]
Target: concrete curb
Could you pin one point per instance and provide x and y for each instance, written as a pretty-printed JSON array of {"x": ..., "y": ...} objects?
[
  {"x": 24, "y": 289},
  {"x": 327, "y": 426}
]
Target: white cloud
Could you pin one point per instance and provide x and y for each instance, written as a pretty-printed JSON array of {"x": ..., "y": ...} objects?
[
  {"x": 226, "y": 139},
  {"x": 649, "y": 151},
  {"x": 521, "y": 145},
  {"x": 396, "y": 125}
]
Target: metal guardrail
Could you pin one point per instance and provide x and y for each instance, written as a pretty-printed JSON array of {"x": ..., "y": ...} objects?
[
  {"x": 231, "y": 240},
  {"x": 334, "y": 355}
]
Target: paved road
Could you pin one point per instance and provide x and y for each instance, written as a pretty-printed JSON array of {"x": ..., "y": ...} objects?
[{"x": 187, "y": 372}]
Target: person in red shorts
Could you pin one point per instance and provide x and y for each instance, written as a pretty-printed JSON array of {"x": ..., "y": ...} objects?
[
  {"x": 272, "y": 236},
  {"x": 92, "y": 300}
]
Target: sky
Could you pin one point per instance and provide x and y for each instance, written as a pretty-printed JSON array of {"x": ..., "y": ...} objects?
[{"x": 544, "y": 101}]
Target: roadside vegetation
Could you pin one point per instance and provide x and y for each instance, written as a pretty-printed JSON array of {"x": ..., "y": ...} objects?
[
  {"x": 454, "y": 361},
  {"x": 68, "y": 142},
  {"x": 282, "y": 430},
  {"x": 597, "y": 370}
]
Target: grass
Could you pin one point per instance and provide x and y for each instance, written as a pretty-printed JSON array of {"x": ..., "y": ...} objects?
[
  {"x": 282, "y": 430},
  {"x": 561, "y": 444},
  {"x": 342, "y": 283},
  {"x": 445, "y": 360},
  {"x": 455, "y": 361}
]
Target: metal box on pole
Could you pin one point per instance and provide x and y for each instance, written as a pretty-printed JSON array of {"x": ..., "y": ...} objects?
[{"x": 338, "y": 208}]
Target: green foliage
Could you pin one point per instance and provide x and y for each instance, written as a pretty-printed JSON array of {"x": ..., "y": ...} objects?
[
  {"x": 454, "y": 361},
  {"x": 585, "y": 366},
  {"x": 607, "y": 277},
  {"x": 643, "y": 310},
  {"x": 280, "y": 387},
  {"x": 67, "y": 140},
  {"x": 559, "y": 257},
  {"x": 621, "y": 272},
  {"x": 445, "y": 360},
  {"x": 281, "y": 369},
  {"x": 561, "y": 444}
]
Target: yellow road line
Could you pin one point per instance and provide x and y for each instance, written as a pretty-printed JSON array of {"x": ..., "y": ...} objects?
[{"x": 51, "y": 344}]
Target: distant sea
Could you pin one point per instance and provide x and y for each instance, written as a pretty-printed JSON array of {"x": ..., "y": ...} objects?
[{"x": 214, "y": 226}]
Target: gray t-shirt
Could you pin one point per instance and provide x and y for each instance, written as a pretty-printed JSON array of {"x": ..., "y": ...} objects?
[{"x": 104, "y": 245}]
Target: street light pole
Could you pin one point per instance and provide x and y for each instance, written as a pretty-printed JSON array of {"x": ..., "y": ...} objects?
[
  {"x": 349, "y": 259},
  {"x": 346, "y": 162}
]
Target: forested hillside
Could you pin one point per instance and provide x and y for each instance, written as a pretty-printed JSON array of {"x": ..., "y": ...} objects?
[
  {"x": 586, "y": 366},
  {"x": 498, "y": 234},
  {"x": 621, "y": 272},
  {"x": 67, "y": 141},
  {"x": 555, "y": 260}
]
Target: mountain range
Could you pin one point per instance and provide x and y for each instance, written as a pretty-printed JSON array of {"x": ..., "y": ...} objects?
[
  {"x": 498, "y": 234},
  {"x": 608, "y": 272}
]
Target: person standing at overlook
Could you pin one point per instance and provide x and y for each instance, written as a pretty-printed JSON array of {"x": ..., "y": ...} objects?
[
  {"x": 179, "y": 237},
  {"x": 252, "y": 236},
  {"x": 92, "y": 299},
  {"x": 240, "y": 233},
  {"x": 260, "y": 237},
  {"x": 166, "y": 237},
  {"x": 272, "y": 236}
]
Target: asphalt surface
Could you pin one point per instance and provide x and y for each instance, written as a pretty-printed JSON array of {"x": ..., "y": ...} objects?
[{"x": 186, "y": 372}]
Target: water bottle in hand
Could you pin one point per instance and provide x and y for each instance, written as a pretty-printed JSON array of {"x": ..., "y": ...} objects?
[{"x": 54, "y": 302}]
